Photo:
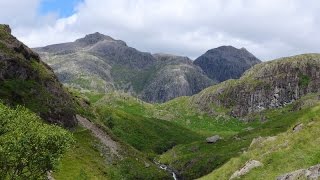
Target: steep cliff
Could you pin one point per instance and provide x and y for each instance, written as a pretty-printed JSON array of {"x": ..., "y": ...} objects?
[
  {"x": 26, "y": 80},
  {"x": 267, "y": 85}
]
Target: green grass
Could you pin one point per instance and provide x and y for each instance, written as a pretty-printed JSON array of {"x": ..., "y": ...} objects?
[
  {"x": 137, "y": 123},
  {"x": 289, "y": 152},
  {"x": 87, "y": 159},
  {"x": 199, "y": 158},
  {"x": 83, "y": 160},
  {"x": 148, "y": 135}
]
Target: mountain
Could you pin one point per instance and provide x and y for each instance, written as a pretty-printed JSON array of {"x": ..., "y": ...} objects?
[
  {"x": 26, "y": 80},
  {"x": 226, "y": 62},
  {"x": 267, "y": 85},
  {"x": 175, "y": 76},
  {"x": 100, "y": 63}
]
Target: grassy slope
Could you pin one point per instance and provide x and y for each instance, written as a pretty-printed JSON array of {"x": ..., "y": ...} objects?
[
  {"x": 83, "y": 160},
  {"x": 146, "y": 134},
  {"x": 197, "y": 158},
  {"x": 87, "y": 159},
  {"x": 289, "y": 152},
  {"x": 133, "y": 121},
  {"x": 137, "y": 123}
]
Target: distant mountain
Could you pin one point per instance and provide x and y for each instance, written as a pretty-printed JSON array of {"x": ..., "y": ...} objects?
[
  {"x": 226, "y": 62},
  {"x": 175, "y": 76},
  {"x": 26, "y": 80},
  {"x": 101, "y": 63}
]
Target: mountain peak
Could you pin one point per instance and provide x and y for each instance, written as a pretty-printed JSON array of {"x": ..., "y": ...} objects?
[
  {"x": 226, "y": 62},
  {"x": 94, "y": 38}
]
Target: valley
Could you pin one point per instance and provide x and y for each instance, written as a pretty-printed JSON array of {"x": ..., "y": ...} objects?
[{"x": 100, "y": 109}]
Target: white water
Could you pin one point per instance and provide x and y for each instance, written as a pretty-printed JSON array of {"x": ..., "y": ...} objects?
[{"x": 164, "y": 167}]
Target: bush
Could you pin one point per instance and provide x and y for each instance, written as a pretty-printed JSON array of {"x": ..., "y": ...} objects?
[{"x": 28, "y": 147}]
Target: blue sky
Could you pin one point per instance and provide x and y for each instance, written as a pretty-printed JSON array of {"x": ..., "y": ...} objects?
[{"x": 63, "y": 8}]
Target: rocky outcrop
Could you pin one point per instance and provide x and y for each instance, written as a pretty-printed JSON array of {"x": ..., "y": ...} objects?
[
  {"x": 311, "y": 173},
  {"x": 26, "y": 80},
  {"x": 213, "y": 139},
  {"x": 226, "y": 62},
  {"x": 267, "y": 85},
  {"x": 246, "y": 168}
]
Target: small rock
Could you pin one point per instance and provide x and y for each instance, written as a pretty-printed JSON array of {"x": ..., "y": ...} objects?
[
  {"x": 246, "y": 168},
  {"x": 249, "y": 129},
  {"x": 146, "y": 164},
  {"x": 298, "y": 128},
  {"x": 213, "y": 139}
]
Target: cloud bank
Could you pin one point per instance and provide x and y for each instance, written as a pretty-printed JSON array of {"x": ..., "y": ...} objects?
[{"x": 268, "y": 28}]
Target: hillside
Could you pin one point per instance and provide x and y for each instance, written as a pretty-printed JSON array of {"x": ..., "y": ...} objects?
[
  {"x": 285, "y": 156},
  {"x": 267, "y": 85},
  {"x": 226, "y": 62},
  {"x": 26, "y": 80},
  {"x": 100, "y": 63}
]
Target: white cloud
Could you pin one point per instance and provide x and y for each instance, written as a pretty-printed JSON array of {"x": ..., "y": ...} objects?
[{"x": 267, "y": 28}]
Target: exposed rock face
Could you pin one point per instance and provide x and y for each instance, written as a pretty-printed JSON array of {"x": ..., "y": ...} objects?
[
  {"x": 26, "y": 80},
  {"x": 101, "y": 63},
  {"x": 175, "y": 76},
  {"x": 267, "y": 85},
  {"x": 213, "y": 139},
  {"x": 246, "y": 168},
  {"x": 226, "y": 62},
  {"x": 311, "y": 173}
]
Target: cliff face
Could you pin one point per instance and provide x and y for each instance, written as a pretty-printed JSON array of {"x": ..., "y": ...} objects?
[
  {"x": 267, "y": 85},
  {"x": 175, "y": 76},
  {"x": 26, "y": 80},
  {"x": 226, "y": 62}
]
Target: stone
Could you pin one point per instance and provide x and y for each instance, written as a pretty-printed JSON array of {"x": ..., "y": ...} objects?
[
  {"x": 298, "y": 127},
  {"x": 246, "y": 168},
  {"x": 213, "y": 139},
  {"x": 312, "y": 173}
]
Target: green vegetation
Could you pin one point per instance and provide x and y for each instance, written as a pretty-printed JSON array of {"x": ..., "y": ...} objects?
[
  {"x": 28, "y": 147},
  {"x": 304, "y": 80},
  {"x": 289, "y": 151},
  {"x": 145, "y": 134},
  {"x": 83, "y": 160},
  {"x": 123, "y": 76}
]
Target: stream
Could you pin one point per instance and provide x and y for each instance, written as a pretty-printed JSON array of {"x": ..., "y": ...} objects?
[{"x": 166, "y": 168}]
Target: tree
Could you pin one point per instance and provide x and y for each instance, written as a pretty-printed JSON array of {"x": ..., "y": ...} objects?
[{"x": 28, "y": 147}]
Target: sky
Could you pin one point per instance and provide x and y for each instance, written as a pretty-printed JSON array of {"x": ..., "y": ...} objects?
[{"x": 269, "y": 29}]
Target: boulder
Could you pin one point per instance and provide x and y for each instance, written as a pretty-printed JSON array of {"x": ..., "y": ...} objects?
[
  {"x": 312, "y": 173},
  {"x": 213, "y": 139},
  {"x": 298, "y": 127},
  {"x": 246, "y": 168}
]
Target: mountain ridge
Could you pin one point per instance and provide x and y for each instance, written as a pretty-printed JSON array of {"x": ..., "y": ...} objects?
[{"x": 100, "y": 63}]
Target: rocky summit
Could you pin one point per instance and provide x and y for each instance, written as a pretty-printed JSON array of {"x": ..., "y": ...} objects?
[{"x": 226, "y": 62}]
